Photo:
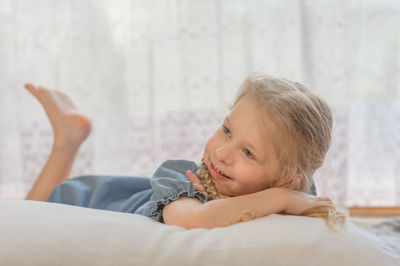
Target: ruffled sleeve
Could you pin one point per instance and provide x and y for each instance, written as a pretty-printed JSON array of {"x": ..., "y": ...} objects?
[{"x": 170, "y": 183}]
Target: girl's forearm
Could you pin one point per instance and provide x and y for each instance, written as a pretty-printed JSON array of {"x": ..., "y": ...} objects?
[
  {"x": 226, "y": 211},
  {"x": 191, "y": 213}
]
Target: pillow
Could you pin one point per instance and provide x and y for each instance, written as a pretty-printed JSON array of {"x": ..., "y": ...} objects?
[{"x": 42, "y": 233}]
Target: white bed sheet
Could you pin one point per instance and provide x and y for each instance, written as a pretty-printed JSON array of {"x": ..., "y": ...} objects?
[{"x": 41, "y": 233}]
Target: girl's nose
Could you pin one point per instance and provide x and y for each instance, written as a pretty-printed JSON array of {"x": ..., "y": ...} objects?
[{"x": 224, "y": 155}]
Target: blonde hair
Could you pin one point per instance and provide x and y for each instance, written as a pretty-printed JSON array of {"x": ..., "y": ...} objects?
[
  {"x": 299, "y": 122},
  {"x": 300, "y": 125}
]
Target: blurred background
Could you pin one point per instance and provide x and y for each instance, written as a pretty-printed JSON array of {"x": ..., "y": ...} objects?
[{"x": 156, "y": 78}]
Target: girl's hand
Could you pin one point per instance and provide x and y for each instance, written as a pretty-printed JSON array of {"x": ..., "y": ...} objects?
[
  {"x": 195, "y": 181},
  {"x": 297, "y": 201},
  {"x": 197, "y": 184}
]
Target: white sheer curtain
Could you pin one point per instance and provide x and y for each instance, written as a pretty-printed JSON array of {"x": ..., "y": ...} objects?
[{"x": 156, "y": 77}]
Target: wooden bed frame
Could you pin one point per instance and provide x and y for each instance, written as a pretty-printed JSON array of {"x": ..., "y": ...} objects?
[
  {"x": 374, "y": 214},
  {"x": 374, "y": 211}
]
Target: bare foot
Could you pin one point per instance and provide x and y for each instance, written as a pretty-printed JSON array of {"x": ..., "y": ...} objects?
[{"x": 70, "y": 126}]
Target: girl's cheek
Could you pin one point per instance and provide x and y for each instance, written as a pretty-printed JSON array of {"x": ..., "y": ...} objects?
[
  {"x": 209, "y": 145},
  {"x": 212, "y": 141}
]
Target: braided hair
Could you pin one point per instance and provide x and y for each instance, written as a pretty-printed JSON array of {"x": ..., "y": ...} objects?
[{"x": 204, "y": 176}]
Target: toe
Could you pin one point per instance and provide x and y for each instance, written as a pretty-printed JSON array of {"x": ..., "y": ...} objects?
[
  {"x": 42, "y": 90},
  {"x": 29, "y": 86}
]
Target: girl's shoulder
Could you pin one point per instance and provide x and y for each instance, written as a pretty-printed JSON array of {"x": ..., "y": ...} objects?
[{"x": 174, "y": 167}]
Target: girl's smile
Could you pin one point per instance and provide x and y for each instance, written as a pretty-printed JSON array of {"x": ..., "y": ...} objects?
[{"x": 216, "y": 173}]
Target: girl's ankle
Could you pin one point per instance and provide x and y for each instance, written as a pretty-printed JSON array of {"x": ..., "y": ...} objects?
[{"x": 65, "y": 145}]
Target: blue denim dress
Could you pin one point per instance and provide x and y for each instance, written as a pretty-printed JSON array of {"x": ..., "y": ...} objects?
[{"x": 139, "y": 195}]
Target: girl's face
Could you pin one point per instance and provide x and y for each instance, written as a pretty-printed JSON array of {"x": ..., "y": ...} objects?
[{"x": 240, "y": 155}]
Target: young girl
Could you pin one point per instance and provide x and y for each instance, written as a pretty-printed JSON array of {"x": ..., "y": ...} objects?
[{"x": 260, "y": 161}]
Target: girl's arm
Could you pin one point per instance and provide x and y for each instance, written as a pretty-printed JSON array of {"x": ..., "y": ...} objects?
[{"x": 190, "y": 213}]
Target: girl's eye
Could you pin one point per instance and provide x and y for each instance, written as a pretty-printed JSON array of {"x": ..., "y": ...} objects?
[
  {"x": 248, "y": 153},
  {"x": 226, "y": 131}
]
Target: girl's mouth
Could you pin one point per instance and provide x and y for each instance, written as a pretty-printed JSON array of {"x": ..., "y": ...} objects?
[{"x": 215, "y": 172}]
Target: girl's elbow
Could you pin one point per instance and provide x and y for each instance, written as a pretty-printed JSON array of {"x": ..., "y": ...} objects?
[{"x": 187, "y": 213}]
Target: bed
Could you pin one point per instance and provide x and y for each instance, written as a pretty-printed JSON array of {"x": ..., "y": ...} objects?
[
  {"x": 42, "y": 233},
  {"x": 389, "y": 232}
]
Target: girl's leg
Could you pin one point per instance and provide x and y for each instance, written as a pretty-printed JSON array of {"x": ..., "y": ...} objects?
[{"x": 70, "y": 129}]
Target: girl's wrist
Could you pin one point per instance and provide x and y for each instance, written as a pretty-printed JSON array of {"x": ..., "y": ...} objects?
[{"x": 280, "y": 197}]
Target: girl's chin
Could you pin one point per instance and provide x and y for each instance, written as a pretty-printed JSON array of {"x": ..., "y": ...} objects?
[{"x": 223, "y": 190}]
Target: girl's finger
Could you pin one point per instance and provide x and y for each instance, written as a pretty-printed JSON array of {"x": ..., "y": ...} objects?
[
  {"x": 324, "y": 199},
  {"x": 199, "y": 188},
  {"x": 196, "y": 182},
  {"x": 192, "y": 177},
  {"x": 316, "y": 198}
]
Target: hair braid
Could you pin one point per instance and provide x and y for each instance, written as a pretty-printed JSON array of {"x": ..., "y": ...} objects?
[{"x": 205, "y": 179}]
